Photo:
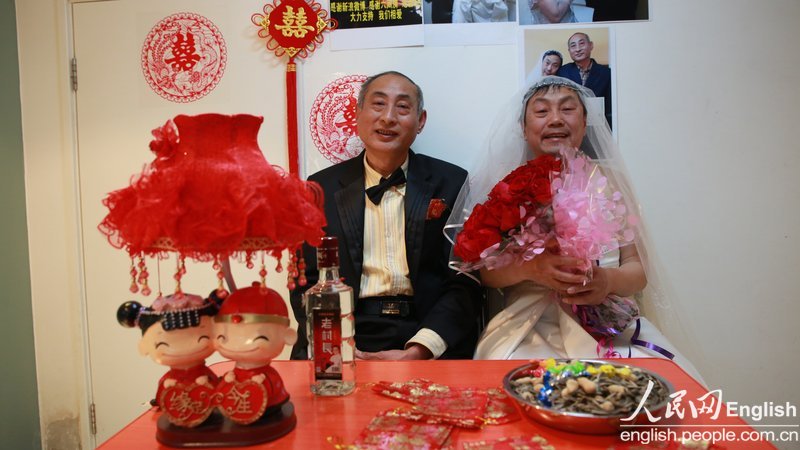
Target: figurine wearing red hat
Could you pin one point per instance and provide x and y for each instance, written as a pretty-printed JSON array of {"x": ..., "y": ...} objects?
[
  {"x": 251, "y": 328},
  {"x": 176, "y": 332}
]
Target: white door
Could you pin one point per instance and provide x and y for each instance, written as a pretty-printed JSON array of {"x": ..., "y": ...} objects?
[{"x": 116, "y": 110}]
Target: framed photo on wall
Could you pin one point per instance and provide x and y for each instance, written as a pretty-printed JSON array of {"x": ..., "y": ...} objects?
[
  {"x": 584, "y": 55},
  {"x": 541, "y": 12}
]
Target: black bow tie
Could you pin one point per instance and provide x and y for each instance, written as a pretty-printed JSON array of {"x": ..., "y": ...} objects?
[{"x": 375, "y": 193}]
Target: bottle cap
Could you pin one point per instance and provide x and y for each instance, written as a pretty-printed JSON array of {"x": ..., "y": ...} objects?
[{"x": 328, "y": 252}]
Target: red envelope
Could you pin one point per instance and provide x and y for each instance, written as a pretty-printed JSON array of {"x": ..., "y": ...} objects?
[
  {"x": 390, "y": 430},
  {"x": 510, "y": 443},
  {"x": 436, "y": 403},
  {"x": 409, "y": 391},
  {"x": 500, "y": 409}
]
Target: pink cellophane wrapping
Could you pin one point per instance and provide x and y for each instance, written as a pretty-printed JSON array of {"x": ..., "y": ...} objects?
[
  {"x": 208, "y": 188},
  {"x": 591, "y": 219}
]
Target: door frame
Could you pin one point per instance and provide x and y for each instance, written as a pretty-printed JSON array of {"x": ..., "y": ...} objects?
[{"x": 49, "y": 132}]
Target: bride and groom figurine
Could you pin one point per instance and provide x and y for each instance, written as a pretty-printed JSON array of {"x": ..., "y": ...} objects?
[{"x": 250, "y": 327}]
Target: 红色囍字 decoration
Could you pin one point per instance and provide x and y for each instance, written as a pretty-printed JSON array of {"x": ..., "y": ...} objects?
[
  {"x": 293, "y": 28},
  {"x": 184, "y": 57},
  {"x": 332, "y": 121}
]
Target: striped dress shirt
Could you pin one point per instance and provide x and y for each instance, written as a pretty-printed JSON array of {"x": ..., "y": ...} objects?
[{"x": 385, "y": 267}]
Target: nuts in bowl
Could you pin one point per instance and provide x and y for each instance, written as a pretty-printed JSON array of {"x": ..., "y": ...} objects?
[{"x": 586, "y": 396}]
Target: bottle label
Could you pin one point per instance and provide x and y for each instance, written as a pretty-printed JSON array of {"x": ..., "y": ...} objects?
[{"x": 327, "y": 339}]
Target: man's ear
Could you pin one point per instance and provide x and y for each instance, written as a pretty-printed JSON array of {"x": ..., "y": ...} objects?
[
  {"x": 290, "y": 336},
  {"x": 422, "y": 119}
]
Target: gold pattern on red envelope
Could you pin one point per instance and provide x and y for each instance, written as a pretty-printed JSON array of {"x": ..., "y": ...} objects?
[
  {"x": 462, "y": 407},
  {"x": 510, "y": 443},
  {"x": 389, "y": 430},
  {"x": 416, "y": 416},
  {"x": 409, "y": 391},
  {"x": 187, "y": 405},
  {"x": 500, "y": 409}
]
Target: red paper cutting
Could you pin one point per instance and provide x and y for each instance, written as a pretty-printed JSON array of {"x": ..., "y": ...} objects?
[
  {"x": 333, "y": 119},
  {"x": 184, "y": 57}
]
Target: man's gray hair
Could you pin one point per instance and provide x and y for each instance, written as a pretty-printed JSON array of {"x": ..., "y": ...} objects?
[{"x": 365, "y": 87}]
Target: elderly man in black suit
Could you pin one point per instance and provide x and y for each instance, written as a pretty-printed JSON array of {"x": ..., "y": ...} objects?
[{"x": 387, "y": 207}]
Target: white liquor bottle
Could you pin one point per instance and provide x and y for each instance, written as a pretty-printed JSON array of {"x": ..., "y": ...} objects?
[{"x": 330, "y": 326}]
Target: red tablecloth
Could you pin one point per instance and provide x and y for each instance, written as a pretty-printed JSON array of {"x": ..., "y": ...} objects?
[{"x": 344, "y": 417}]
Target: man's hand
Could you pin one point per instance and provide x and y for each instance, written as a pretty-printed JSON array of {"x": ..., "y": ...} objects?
[
  {"x": 550, "y": 269},
  {"x": 592, "y": 293},
  {"x": 414, "y": 351}
]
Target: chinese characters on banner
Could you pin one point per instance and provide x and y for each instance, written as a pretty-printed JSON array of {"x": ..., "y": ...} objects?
[
  {"x": 294, "y": 23},
  {"x": 376, "y": 13}
]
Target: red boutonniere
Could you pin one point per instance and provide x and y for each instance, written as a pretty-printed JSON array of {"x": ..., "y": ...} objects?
[{"x": 436, "y": 207}]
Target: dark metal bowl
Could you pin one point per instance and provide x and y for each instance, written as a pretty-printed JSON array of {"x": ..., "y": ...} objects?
[{"x": 581, "y": 422}]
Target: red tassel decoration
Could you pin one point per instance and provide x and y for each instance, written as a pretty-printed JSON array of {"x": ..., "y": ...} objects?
[{"x": 291, "y": 122}]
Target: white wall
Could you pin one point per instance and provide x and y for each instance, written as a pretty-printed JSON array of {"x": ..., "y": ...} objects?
[
  {"x": 708, "y": 113},
  {"x": 707, "y": 105}
]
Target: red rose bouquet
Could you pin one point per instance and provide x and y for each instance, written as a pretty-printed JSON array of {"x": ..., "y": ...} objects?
[{"x": 513, "y": 222}]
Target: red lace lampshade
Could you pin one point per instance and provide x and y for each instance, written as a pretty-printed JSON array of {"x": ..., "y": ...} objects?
[{"x": 209, "y": 194}]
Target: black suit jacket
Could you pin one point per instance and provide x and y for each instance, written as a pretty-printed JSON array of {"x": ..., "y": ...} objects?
[{"x": 444, "y": 302}]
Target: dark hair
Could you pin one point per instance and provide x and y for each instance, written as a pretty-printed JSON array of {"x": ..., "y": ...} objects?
[
  {"x": 365, "y": 87},
  {"x": 132, "y": 313},
  {"x": 553, "y": 53}
]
